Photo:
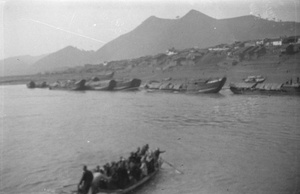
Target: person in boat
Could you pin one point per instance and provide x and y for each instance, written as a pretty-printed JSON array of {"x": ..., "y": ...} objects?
[
  {"x": 86, "y": 181},
  {"x": 144, "y": 169},
  {"x": 138, "y": 151},
  {"x": 134, "y": 172},
  {"x": 134, "y": 157},
  {"x": 144, "y": 150},
  {"x": 113, "y": 182},
  {"x": 100, "y": 181},
  {"x": 150, "y": 163},
  {"x": 156, "y": 154},
  {"x": 107, "y": 169},
  {"x": 123, "y": 177},
  {"x": 97, "y": 169}
]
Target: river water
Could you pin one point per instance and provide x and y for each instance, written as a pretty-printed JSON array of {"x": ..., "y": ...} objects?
[{"x": 223, "y": 143}]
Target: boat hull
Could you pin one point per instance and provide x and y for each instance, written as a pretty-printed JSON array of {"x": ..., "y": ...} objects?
[
  {"x": 107, "y": 85},
  {"x": 132, "y": 187},
  {"x": 197, "y": 86},
  {"x": 33, "y": 84},
  {"x": 281, "y": 89},
  {"x": 68, "y": 85},
  {"x": 210, "y": 86},
  {"x": 133, "y": 84}
]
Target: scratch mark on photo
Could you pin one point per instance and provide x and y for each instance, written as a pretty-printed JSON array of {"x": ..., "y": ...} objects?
[{"x": 57, "y": 28}]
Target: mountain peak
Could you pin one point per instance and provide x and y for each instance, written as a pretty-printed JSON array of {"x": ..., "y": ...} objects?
[
  {"x": 194, "y": 14},
  {"x": 70, "y": 48}
]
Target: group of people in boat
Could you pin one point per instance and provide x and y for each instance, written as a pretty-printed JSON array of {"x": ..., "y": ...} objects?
[{"x": 122, "y": 173}]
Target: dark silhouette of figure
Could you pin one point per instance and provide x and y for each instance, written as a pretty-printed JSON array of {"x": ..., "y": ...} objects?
[{"x": 86, "y": 181}]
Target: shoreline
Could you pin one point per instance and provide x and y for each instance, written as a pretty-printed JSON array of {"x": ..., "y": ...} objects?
[{"x": 274, "y": 68}]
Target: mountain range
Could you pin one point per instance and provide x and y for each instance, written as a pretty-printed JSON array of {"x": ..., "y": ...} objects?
[{"x": 156, "y": 35}]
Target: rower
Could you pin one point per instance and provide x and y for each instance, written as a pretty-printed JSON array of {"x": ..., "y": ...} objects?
[{"x": 156, "y": 154}]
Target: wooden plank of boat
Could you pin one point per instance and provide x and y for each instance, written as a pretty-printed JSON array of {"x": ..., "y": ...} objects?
[
  {"x": 129, "y": 189},
  {"x": 133, "y": 84}
]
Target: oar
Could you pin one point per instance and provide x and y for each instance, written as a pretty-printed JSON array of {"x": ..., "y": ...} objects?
[{"x": 178, "y": 171}]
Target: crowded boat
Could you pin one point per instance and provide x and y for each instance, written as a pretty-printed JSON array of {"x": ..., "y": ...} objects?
[{"x": 122, "y": 174}]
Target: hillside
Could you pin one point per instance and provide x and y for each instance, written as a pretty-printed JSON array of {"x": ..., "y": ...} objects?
[
  {"x": 156, "y": 35},
  {"x": 18, "y": 65},
  {"x": 187, "y": 64},
  {"x": 62, "y": 59},
  {"x": 195, "y": 29}
]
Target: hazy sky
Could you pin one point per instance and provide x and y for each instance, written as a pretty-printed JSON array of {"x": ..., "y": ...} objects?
[{"x": 37, "y": 27}]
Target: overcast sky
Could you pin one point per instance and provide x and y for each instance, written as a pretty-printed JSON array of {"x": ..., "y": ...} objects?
[{"x": 39, "y": 27}]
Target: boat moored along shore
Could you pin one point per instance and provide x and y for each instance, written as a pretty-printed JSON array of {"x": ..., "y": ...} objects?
[
  {"x": 33, "y": 84},
  {"x": 98, "y": 85},
  {"x": 105, "y": 85},
  {"x": 132, "y": 84},
  {"x": 212, "y": 85},
  {"x": 68, "y": 85},
  {"x": 288, "y": 88}
]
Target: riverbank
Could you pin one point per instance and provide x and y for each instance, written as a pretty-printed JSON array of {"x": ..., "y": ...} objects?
[{"x": 276, "y": 68}]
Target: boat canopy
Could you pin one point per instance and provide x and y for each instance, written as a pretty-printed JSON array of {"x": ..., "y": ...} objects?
[
  {"x": 178, "y": 86},
  {"x": 243, "y": 85},
  {"x": 166, "y": 86},
  {"x": 269, "y": 86},
  {"x": 154, "y": 85}
]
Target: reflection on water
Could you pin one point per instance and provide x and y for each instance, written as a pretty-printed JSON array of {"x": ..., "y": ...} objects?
[{"x": 223, "y": 143}]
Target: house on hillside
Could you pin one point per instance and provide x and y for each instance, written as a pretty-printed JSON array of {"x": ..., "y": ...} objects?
[
  {"x": 171, "y": 51},
  {"x": 260, "y": 42},
  {"x": 221, "y": 47},
  {"x": 273, "y": 42},
  {"x": 250, "y": 43}
]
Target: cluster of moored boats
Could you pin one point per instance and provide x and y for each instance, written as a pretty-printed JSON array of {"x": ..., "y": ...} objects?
[
  {"x": 258, "y": 87},
  {"x": 191, "y": 86},
  {"x": 250, "y": 85},
  {"x": 93, "y": 84}
]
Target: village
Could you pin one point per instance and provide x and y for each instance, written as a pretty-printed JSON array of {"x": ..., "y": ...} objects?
[{"x": 235, "y": 53}]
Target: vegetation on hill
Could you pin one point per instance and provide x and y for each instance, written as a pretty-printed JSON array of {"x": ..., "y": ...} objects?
[{"x": 236, "y": 61}]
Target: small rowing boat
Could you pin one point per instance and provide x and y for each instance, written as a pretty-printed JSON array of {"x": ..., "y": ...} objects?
[
  {"x": 123, "y": 176},
  {"x": 130, "y": 187}
]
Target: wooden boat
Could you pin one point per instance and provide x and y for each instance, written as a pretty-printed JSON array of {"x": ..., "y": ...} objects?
[
  {"x": 132, "y": 84},
  {"x": 68, "y": 85},
  {"x": 106, "y": 85},
  {"x": 206, "y": 86},
  {"x": 33, "y": 84},
  {"x": 194, "y": 86},
  {"x": 131, "y": 187},
  {"x": 265, "y": 88},
  {"x": 254, "y": 79}
]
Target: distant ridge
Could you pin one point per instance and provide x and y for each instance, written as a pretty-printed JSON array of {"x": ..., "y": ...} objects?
[
  {"x": 156, "y": 35},
  {"x": 64, "y": 58},
  {"x": 19, "y": 65}
]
